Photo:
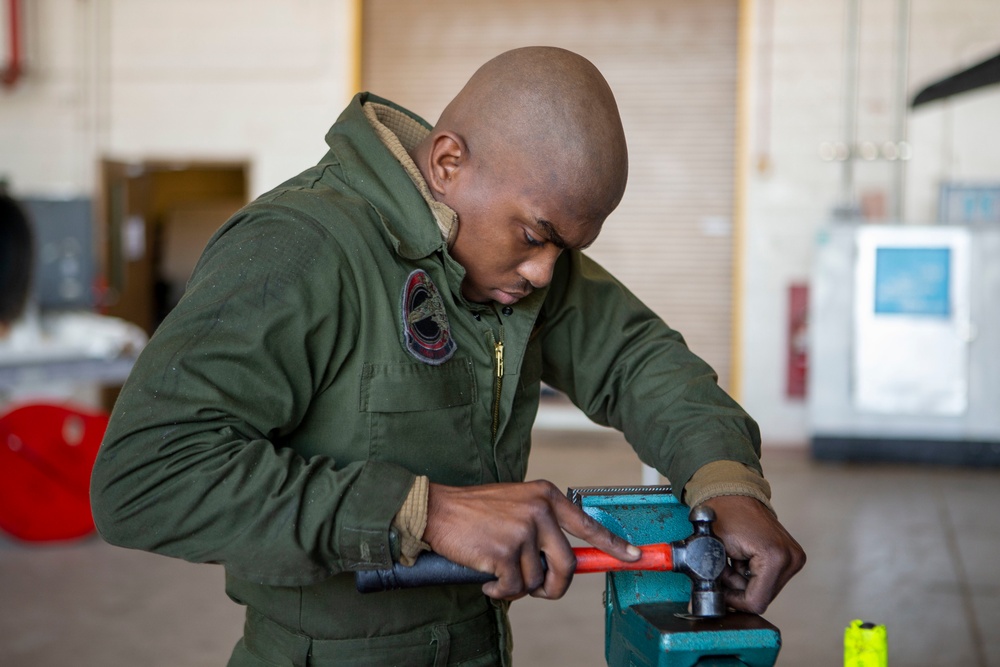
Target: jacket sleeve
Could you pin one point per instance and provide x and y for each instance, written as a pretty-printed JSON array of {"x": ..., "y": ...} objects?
[
  {"x": 625, "y": 368},
  {"x": 192, "y": 464}
]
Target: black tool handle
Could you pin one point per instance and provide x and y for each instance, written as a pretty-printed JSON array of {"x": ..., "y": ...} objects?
[{"x": 430, "y": 569}]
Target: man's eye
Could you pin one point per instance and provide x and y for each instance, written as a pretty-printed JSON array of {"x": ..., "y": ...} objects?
[{"x": 532, "y": 241}]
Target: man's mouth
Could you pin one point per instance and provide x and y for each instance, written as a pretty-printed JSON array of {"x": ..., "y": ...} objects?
[{"x": 509, "y": 298}]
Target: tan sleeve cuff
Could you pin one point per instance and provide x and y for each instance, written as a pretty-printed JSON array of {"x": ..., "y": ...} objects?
[
  {"x": 411, "y": 520},
  {"x": 726, "y": 478}
]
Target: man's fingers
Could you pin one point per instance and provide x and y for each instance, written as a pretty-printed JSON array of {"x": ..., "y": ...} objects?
[
  {"x": 768, "y": 573},
  {"x": 736, "y": 576},
  {"x": 533, "y": 571},
  {"x": 761, "y": 589},
  {"x": 561, "y": 562},
  {"x": 578, "y": 523},
  {"x": 509, "y": 585},
  {"x": 753, "y": 589}
]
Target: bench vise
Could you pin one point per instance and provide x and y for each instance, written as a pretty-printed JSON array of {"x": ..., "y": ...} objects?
[{"x": 647, "y": 619}]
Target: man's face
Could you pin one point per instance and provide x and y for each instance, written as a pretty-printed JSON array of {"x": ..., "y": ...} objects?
[{"x": 511, "y": 230}]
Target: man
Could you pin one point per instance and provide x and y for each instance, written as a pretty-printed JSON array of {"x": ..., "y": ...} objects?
[{"x": 352, "y": 376}]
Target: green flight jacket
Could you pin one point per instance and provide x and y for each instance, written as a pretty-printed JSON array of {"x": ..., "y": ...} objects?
[{"x": 276, "y": 420}]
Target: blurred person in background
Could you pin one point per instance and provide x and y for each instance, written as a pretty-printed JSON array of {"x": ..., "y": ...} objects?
[{"x": 16, "y": 260}]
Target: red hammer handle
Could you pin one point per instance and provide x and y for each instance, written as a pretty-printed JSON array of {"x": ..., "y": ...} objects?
[
  {"x": 435, "y": 569},
  {"x": 657, "y": 557}
]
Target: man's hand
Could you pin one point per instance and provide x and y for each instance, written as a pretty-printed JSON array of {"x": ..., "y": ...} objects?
[
  {"x": 503, "y": 528},
  {"x": 763, "y": 556}
]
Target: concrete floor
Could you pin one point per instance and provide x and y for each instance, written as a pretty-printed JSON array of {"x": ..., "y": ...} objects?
[{"x": 911, "y": 547}]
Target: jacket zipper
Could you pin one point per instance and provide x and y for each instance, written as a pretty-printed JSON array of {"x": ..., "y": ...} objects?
[{"x": 498, "y": 381}]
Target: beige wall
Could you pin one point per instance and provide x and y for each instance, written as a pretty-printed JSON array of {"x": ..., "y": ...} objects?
[{"x": 256, "y": 80}]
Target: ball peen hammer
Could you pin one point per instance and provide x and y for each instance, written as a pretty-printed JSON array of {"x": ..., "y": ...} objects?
[{"x": 701, "y": 557}]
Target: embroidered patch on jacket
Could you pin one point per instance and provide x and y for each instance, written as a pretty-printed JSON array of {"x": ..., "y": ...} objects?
[{"x": 426, "y": 333}]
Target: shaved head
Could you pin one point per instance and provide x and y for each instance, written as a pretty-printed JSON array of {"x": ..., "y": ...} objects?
[
  {"x": 531, "y": 157},
  {"x": 552, "y": 112}
]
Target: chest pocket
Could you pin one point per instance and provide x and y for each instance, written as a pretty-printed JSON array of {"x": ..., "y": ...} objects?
[{"x": 420, "y": 417}]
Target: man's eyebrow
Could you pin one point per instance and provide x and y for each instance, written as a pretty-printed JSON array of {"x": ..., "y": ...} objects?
[{"x": 551, "y": 232}]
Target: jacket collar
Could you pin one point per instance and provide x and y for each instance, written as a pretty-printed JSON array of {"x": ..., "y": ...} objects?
[
  {"x": 378, "y": 176},
  {"x": 401, "y": 133}
]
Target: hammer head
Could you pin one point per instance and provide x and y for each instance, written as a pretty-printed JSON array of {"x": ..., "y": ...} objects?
[
  {"x": 648, "y": 514},
  {"x": 702, "y": 557}
]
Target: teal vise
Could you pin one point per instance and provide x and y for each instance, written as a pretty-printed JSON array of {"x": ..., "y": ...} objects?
[{"x": 646, "y": 613}]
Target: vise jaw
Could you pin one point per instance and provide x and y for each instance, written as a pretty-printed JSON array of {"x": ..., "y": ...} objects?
[{"x": 647, "y": 623}]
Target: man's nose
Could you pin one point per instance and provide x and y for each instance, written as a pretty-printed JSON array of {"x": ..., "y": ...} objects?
[{"x": 538, "y": 270}]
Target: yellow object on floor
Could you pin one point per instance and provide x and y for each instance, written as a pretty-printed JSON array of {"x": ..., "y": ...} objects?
[{"x": 865, "y": 645}]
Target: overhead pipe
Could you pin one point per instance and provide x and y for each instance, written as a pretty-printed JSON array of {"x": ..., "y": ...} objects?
[
  {"x": 848, "y": 208},
  {"x": 897, "y": 203},
  {"x": 12, "y": 72}
]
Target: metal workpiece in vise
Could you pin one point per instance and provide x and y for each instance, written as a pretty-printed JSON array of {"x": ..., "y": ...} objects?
[{"x": 672, "y": 618}]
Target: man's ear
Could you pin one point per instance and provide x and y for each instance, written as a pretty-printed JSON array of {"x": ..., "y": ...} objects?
[{"x": 448, "y": 154}]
